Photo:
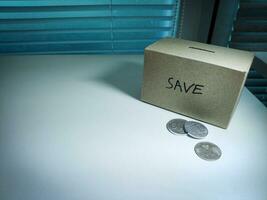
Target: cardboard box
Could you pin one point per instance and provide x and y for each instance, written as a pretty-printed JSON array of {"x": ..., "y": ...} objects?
[{"x": 197, "y": 80}]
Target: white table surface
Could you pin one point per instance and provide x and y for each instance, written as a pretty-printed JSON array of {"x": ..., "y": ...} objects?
[{"x": 73, "y": 127}]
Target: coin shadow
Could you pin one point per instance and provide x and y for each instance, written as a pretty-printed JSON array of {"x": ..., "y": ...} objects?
[
  {"x": 126, "y": 77},
  {"x": 192, "y": 137}
]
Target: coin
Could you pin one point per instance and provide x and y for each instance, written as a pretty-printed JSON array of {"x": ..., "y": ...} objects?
[
  {"x": 176, "y": 126},
  {"x": 195, "y": 129},
  {"x": 208, "y": 151}
]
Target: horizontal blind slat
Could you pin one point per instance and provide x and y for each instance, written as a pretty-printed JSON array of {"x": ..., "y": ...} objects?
[
  {"x": 133, "y": 34},
  {"x": 143, "y": 2},
  {"x": 31, "y": 47},
  {"x": 46, "y": 36},
  {"x": 249, "y": 36},
  {"x": 54, "y": 14},
  {"x": 256, "y": 82},
  {"x": 142, "y": 23},
  {"x": 34, "y": 3},
  {"x": 55, "y": 24},
  {"x": 254, "y": 74},
  {"x": 251, "y": 25},
  {"x": 249, "y": 46},
  {"x": 258, "y": 90}
]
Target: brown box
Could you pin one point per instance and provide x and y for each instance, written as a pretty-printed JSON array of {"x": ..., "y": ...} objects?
[{"x": 197, "y": 80}]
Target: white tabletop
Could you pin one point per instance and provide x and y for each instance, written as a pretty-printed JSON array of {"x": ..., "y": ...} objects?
[{"x": 73, "y": 127}]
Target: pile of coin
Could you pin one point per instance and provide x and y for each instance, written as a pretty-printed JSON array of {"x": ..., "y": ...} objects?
[
  {"x": 205, "y": 150},
  {"x": 191, "y": 128}
]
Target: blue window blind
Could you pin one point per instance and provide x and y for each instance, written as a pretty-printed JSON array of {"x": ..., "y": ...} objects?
[
  {"x": 250, "y": 33},
  {"x": 84, "y": 26}
]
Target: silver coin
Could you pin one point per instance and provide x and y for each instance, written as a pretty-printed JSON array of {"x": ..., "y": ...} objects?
[
  {"x": 176, "y": 126},
  {"x": 195, "y": 129},
  {"x": 208, "y": 151}
]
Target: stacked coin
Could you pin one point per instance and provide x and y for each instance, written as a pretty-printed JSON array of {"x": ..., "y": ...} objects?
[
  {"x": 193, "y": 129},
  {"x": 205, "y": 150},
  {"x": 176, "y": 126}
]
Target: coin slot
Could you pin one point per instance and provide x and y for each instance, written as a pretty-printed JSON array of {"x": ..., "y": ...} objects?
[{"x": 196, "y": 48}]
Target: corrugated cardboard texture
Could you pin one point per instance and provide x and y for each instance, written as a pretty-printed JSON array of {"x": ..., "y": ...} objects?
[{"x": 204, "y": 91}]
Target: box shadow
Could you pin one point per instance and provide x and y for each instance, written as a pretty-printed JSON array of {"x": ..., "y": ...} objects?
[{"x": 126, "y": 77}]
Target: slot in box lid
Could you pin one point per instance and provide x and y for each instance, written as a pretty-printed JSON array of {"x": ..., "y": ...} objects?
[{"x": 226, "y": 57}]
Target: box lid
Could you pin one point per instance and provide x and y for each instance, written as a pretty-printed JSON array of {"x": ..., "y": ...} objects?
[{"x": 230, "y": 58}]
